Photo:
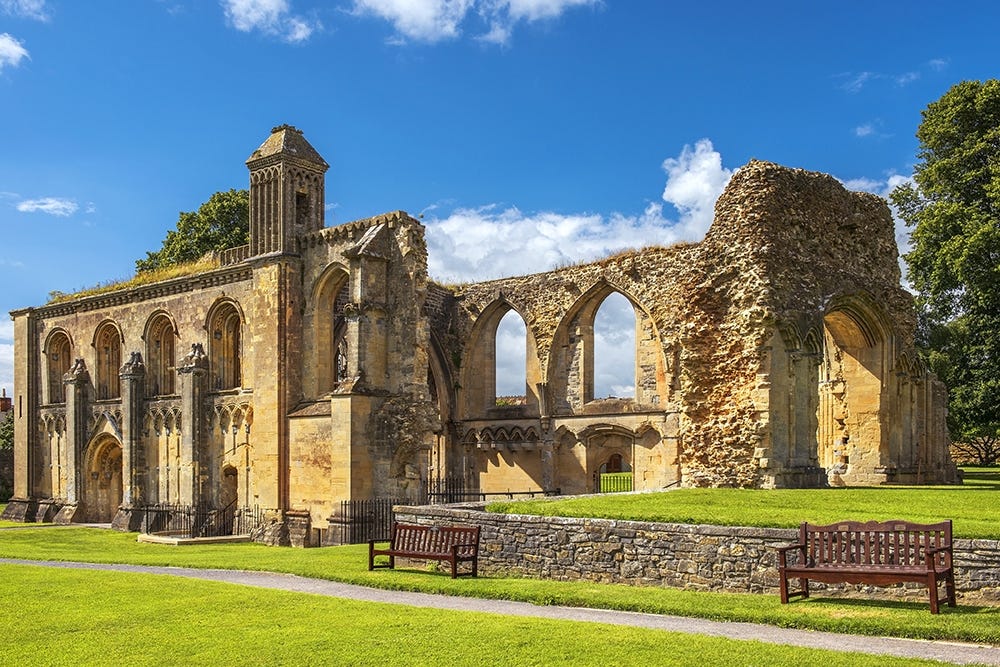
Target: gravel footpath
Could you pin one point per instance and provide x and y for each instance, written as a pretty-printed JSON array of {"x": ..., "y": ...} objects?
[{"x": 950, "y": 652}]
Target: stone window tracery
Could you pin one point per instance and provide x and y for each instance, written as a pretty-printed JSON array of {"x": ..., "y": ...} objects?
[
  {"x": 59, "y": 353},
  {"x": 224, "y": 347},
  {"x": 160, "y": 362},
  {"x": 108, "y": 346}
]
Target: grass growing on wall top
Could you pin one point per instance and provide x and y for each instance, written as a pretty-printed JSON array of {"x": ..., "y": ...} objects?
[
  {"x": 206, "y": 263},
  {"x": 971, "y": 506}
]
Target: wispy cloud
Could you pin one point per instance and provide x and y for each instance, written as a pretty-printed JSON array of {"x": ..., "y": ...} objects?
[
  {"x": 865, "y": 130},
  {"x": 436, "y": 20},
  {"x": 883, "y": 188},
  {"x": 856, "y": 81},
  {"x": 271, "y": 17},
  {"x": 493, "y": 241},
  {"x": 50, "y": 205},
  {"x": 12, "y": 263},
  {"x": 11, "y": 51},
  {"x": 28, "y": 9}
]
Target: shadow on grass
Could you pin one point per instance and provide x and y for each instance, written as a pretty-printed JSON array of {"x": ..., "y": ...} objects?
[{"x": 903, "y": 605}]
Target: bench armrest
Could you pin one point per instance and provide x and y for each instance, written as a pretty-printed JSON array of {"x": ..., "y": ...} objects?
[
  {"x": 931, "y": 554},
  {"x": 783, "y": 553}
]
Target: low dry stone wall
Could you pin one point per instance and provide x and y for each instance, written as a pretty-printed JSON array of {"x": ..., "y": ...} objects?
[{"x": 716, "y": 558}]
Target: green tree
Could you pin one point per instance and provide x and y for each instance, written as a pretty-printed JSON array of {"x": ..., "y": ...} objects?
[
  {"x": 221, "y": 222},
  {"x": 7, "y": 431},
  {"x": 953, "y": 208}
]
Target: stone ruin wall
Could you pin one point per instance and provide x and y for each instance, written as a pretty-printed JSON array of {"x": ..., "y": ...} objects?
[{"x": 784, "y": 243}]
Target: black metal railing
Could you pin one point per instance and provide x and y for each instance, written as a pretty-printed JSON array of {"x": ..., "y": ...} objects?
[
  {"x": 199, "y": 521},
  {"x": 454, "y": 490},
  {"x": 361, "y": 520}
]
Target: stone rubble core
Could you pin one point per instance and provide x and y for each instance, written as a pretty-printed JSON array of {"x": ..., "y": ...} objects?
[{"x": 320, "y": 364}]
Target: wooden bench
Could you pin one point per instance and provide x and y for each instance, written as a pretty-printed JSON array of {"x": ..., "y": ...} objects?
[
  {"x": 452, "y": 544},
  {"x": 876, "y": 553}
]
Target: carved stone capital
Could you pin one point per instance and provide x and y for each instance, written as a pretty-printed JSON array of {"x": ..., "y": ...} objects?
[
  {"x": 78, "y": 373},
  {"x": 196, "y": 359},
  {"x": 134, "y": 367}
]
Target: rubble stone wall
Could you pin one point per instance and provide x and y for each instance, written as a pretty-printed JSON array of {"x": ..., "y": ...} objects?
[{"x": 697, "y": 557}]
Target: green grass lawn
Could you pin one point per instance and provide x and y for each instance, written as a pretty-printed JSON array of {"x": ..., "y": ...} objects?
[
  {"x": 104, "y": 618},
  {"x": 972, "y": 506},
  {"x": 349, "y": 564}
]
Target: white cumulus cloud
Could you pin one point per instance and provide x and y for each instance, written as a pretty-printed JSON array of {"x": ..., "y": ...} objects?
[
  {"x": 436, "y": 20},
  {"x": 11, "y": 51},
  {"x": 50, "y": 205},
  {"x": 492, "y": 241},
  {"x": 422, "y": 20},
  {"x": 271, "y": 17}
]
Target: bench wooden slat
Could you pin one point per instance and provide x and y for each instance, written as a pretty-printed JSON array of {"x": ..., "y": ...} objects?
[
  {"x": 453, "y": 544},
  {"x": 871, "y": 552}
]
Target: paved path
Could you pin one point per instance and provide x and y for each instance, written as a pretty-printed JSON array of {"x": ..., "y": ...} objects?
[{"x": 952, "y": 652}]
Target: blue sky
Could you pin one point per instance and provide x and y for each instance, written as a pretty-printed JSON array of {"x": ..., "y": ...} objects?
[{"x": 529, "y": 133}]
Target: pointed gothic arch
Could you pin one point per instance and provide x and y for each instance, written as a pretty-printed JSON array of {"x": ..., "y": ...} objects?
[
  {"x": 852, "y": 375},
  {"x": 478, "y": 372},
  {"x": 571, "y": 365}
]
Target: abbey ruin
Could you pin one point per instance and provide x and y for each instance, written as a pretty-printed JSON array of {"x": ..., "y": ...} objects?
[{"x": 319, "y": 364}]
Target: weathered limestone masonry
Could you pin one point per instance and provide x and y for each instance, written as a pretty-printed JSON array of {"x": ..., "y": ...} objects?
[
  {"x": 291, "y": 378},
  {"x": 717, "y": 558},
  {"x": 320, "y": 364},
  {"x": 777, "y": 352}
]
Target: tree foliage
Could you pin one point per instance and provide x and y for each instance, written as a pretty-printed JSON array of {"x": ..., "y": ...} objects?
[
  {"x": 221, "y": 222},
  {"x": 7, "y": 431},
  {"x": 953, "y": 208}
]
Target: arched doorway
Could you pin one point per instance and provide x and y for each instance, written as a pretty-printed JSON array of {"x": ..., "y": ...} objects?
[
  {"x": 851, "y": 429},
  {"x": 103, "y": 480}
]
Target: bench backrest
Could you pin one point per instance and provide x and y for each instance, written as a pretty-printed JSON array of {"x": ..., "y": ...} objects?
[
  {"x": 894, "y": 543},
  {"x": 435, "y": 539}
]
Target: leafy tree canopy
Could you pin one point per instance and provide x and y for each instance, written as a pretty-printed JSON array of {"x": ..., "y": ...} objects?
[
  {"x": 221, "y": 222},
  {"x": 953, "y": 208},
  {"x": 7, "y": 431}
]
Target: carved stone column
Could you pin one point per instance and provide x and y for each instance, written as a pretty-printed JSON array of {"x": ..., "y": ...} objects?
[
  {"x": 133, "y": 379},
  {"x": 77, "y": 383},
  {"x": 193, "y": 374}
]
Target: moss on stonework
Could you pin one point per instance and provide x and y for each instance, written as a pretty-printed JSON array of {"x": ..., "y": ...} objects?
[{"x": 202, "y": 265}]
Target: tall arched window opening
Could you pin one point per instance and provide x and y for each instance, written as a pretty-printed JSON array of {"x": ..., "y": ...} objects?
[
  {"x": 615, "y": 348},
  {"x": 160, "y": 372},
  {"x": 511, "y": 345},
  {"x": 225, "y": 329},
  {"x": 109, "y": 360},
  {"x": 57, "y": 351}
]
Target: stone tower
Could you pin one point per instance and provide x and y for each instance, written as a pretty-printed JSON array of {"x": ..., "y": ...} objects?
[{"x": 286, "y": 191}]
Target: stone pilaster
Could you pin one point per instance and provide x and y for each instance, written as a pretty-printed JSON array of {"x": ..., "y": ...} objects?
[
  {"x": 193, "y": 375},
  {"x": 77, "y": 383},
  {"x": 133, "y": 379}
]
